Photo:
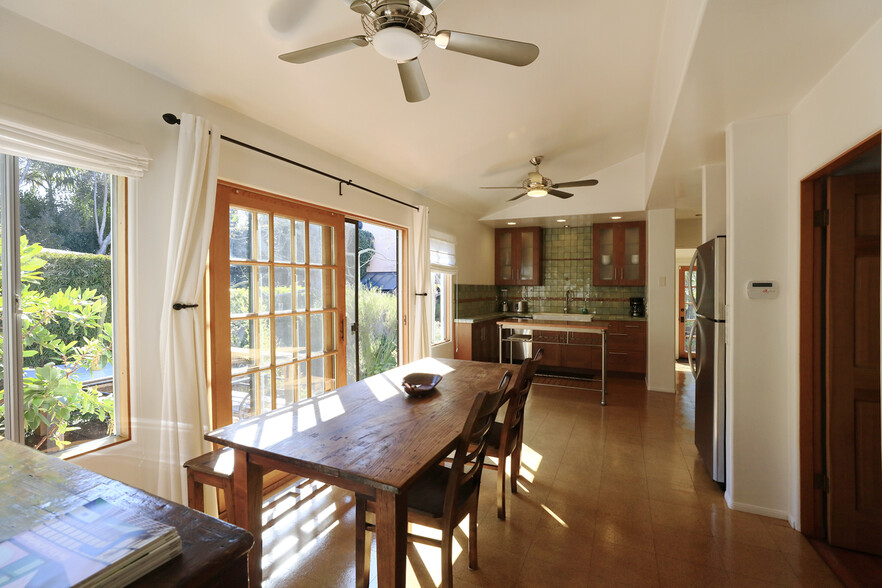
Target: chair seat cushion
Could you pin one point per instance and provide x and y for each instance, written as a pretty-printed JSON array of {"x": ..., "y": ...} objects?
[
  {"x": 427, "y": 494},
  {"x": 494, "y": 438}
]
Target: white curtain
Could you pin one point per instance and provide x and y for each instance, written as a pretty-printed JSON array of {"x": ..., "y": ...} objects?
[
  {"x": 420, "y": 322},
  {"x": 185, "y": 416}
]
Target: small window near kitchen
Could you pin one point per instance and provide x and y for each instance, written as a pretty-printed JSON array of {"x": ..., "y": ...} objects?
[{"x": 442, "y": 256}]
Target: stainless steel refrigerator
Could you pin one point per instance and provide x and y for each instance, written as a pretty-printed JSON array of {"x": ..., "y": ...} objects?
[{"x": 709, "y": 363}]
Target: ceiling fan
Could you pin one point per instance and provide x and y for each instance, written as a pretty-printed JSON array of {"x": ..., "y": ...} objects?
[
  {"x": 537, "y": 185},
  {"x": 400, "y": 29}
]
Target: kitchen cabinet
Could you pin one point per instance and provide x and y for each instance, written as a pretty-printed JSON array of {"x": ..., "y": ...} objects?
[
  {"x": 626, "y": 347},
  {"x": 477, "y": 341},
  {"x": 620, "y": 254},
  {"x": 519, "y": 256}
]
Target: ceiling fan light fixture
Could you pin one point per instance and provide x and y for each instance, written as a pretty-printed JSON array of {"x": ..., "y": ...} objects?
[
  {"x": 397, "y": 43},
  {"x": 537, "y": 192}
]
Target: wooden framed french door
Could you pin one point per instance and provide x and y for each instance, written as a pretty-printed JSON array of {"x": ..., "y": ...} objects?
[{"x": 275, "y": 303}]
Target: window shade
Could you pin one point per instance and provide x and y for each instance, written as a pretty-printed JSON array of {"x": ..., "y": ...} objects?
[
  {"x": 28, "y": 134},
  {"x": 442, "y": 253}
]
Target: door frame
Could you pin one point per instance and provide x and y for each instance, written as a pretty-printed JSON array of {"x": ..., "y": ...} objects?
[{"x": 812, "y": 437}]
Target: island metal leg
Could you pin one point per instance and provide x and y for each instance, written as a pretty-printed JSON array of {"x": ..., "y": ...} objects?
[
  {"x": 500, "y": 343},
  {"x": 603, "y": 369}
]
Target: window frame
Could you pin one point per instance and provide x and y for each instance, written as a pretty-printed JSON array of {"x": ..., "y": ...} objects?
[
  {"x": 120, "y": 190},
  {"x": 447, "y": 277},
  {"x": 442, "y": 261}
]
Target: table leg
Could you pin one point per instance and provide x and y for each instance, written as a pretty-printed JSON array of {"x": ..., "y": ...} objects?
[
  {"x": 248, "y": 502},
  {"x": 391, "y": 517}
]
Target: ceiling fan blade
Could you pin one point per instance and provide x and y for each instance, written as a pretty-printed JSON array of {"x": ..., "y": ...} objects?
[
  {"x": 413, "y": 80},
  {"x": 424, "y": 7},
  {"x": 576, "y": 184},
  {"x": 518, "y": 196},
  {"x": 560, "y": 194},
  {"x": 502, "y": 50},
  {"x": 502, "y": 187},
  {"x": 324, "y": 50},
  {"x": 359, "y": 6}
]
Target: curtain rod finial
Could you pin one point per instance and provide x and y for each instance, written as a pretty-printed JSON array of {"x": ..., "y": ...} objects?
[{"x": 171, "y": 119}]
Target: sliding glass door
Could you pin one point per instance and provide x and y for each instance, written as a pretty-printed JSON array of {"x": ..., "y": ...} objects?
[{"x": 373, "y": 280}]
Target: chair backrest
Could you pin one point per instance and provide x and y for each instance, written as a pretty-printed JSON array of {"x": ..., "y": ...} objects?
[
  {"x": 471, "y": 448},
  {"x": 512, "y": 425}
]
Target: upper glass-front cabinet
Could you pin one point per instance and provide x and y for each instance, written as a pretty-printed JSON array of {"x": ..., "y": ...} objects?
[
  {"x": 519, "y": 256},
  {"x": 620, "y": 254}
]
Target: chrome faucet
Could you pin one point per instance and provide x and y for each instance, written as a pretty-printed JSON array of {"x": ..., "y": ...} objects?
[{"x": 567, "y": 303}]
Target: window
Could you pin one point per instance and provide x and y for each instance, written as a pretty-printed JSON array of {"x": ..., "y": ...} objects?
[
  {"x": 275, "y": 303},
  {"x": 442, "y": 258},
  {"x": 63, "y": 260}
]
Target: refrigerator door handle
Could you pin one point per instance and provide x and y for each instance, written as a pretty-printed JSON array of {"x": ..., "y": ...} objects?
[
  {"x": 690, "y": 282},
  {"x": 690, "y": 345}
]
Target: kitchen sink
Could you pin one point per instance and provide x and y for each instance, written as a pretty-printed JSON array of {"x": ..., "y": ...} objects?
[{"x": 562, "y": 316}]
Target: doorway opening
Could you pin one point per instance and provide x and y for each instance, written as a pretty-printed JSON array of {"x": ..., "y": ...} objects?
[{"x": 840, "y": 457}]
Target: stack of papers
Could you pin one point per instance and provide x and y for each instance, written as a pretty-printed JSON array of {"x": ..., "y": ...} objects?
[{"x": 97, "y": 544}]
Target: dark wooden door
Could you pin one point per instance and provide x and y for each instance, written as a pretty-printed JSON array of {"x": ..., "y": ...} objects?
[{"x": 854, "y": 459}]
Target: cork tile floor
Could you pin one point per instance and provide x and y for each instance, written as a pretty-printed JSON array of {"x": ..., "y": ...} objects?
[{"x": 609, "y": 496}]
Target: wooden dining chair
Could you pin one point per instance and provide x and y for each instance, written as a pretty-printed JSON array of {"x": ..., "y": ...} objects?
[
  {"x": 443, "y": 496},
  {"x": 506, "y": 438}
]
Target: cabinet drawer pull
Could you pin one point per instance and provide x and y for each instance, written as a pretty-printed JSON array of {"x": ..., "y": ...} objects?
[
  {"x": 618, "y": 334},
  {"x": 616, "y": 353},
  {"x": 632, "y": 326}
]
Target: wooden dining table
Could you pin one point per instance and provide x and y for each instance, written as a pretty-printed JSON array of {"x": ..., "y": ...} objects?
[{"x": 369, "y": 437}]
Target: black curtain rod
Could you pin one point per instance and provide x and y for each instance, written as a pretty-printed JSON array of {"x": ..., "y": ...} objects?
[{"x": 174, "y": 120}]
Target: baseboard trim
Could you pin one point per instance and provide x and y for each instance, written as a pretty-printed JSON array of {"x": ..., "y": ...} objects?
[{"x": 773, "y": 513}]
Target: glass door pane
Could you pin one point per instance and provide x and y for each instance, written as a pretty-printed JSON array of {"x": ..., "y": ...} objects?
[
  {"x": 527, "y": 244},
  {"x": 351, "y": 279},
  {"x": 377, "y": 298},
  {"x": 504, "y": 249},
  {"x": 632, "y": 253},
  {"x": 604, "y": 254}
]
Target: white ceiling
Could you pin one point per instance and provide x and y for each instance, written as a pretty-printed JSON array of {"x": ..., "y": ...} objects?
[{"x": 583, "y": 104}]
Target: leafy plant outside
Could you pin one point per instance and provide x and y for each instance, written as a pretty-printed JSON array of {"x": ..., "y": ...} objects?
[{"x": 62, "y": 332}]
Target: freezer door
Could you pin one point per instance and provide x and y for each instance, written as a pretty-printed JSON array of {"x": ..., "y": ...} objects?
[
  {"x": 710, "y": 403},
  {"x": 710, "y": 279}
]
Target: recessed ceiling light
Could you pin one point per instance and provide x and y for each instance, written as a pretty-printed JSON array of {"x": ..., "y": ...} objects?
[
  {"x": 615, "y": 217},
  {"x": 561, "y": 220},
  {"x": 511, "y": 223}
]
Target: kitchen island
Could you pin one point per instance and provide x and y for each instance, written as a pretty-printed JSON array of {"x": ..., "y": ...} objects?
[{"x": 574, "y": 333}]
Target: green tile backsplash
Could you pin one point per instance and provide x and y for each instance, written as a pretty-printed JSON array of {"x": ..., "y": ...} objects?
[{"x": 566, "y": 265}]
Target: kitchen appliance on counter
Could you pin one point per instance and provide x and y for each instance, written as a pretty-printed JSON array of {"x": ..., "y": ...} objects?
[
  {"x": 638, "y": 307},
  {"x": 521, "y": 306},
  {"x": 708, "y": 339}
]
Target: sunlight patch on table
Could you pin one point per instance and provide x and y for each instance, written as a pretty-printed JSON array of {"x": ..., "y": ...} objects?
[
  {"x": 330, "y": 407},
  {"x": 306, "y": 417}
]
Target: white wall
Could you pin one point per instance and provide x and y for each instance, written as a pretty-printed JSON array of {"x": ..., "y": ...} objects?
[
  {"x": 713, "y": 201},
  {"x": 840, "y": 112},
  {"x": 53, "y": 75},
  {"x": 661, "y": 300},
  {"x": 757, "y": 372}
]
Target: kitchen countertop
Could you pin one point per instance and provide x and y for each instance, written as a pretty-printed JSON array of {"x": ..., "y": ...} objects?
[
  {"x": 549, "y": 325},
  {"x": 506, "y": 315}
]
